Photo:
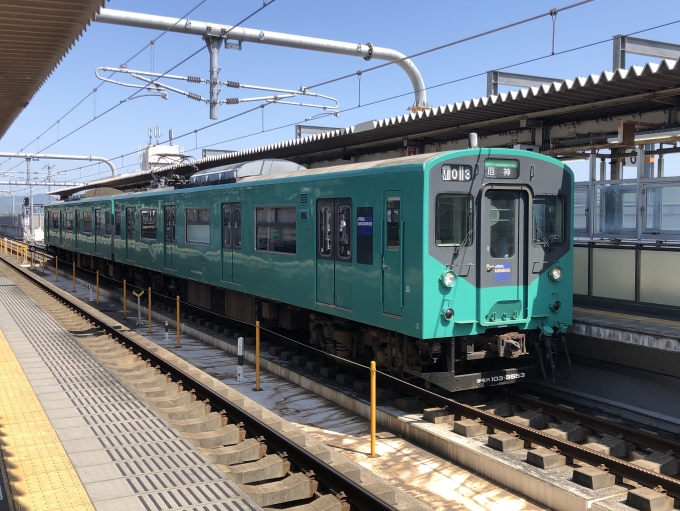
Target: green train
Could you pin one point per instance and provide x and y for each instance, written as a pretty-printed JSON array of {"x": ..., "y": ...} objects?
[{"x": 452, "y": 267}]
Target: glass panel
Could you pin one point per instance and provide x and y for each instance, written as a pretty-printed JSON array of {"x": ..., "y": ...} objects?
[
  {"x": 226, "y": 225},
  {"x": 117, "y": 221},
  {"x": 130, "y": 223},
  {"x": 502, "y": 225},
  {"x": 237, "y": 225},
  {"x": 198, "y": 226},
  {"x": 662, "y": 209},
  {"x": 615, "y": 208},
  {"x": 392, "y": 223},
  {"x": 87, "y": 221},
  {"x": 548, "y": 220},
  {"x": 580, "y": 209},
  {"x": 107, "y": 223},
  {"x": 171, "y": 224},
  {"x": 98, "y": 221},
  {"x": 279, "y": 232},
  {"x": 148, "y": 224},
  {"x": 344, "y": 232},
  {"x": 453, "y": 220},
  {"x": 325, "y": 230},
  {"x": 55, "y": 221},
  {"x": 69, "y": 221}
]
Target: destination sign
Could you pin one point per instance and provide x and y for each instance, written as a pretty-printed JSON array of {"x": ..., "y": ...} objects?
[
  {"x": 461, "y": 173},
  {"x": 501, "y": 169}
]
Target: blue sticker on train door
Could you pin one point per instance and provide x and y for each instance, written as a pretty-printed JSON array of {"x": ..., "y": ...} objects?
[{"x": 501, "y": 273}]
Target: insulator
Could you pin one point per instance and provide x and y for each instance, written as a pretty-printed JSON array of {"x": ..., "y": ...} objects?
[
  {"x": 231, "y": 101},
  {"x": 234, "y": 85},
  {"x": 194, "y": 79},
  {"x": 195, "y": 96}
]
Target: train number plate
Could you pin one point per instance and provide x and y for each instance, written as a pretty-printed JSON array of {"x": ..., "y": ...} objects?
[
  {"x": 500, "y": 378},
  {"x": 462, "y": 173}
]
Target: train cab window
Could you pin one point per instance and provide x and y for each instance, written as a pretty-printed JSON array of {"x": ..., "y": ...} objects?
[
  {"x": 130, "y": 223},
  {"x": 117, "y": 222},
  {"x": 344, "y": 232},
  {"x": 325, "y": 230},
  {"x": 502, "y": 225},
  {"x": 392, "y": 223},
  {"x": 69, "y": 221},
  {"x": 548, "y": 219},
  {"x": 231, "y": 225},
  {"x": 148, "y": 224},
  {"x": 453, "y": 220},
  {"x": 107, "y": 223},
  {"x": 276, "y": 229},
  {"x": 197, "y": 226},
  {"x": 55, "y": 221}
]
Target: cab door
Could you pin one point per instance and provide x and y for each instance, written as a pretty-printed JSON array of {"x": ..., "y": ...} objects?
[
  {"x": 503, "y": 247},
  {"x": 334, "y": 253},
  {"x": 170, "y": 236},
  {"x": 392, "y": 253}
]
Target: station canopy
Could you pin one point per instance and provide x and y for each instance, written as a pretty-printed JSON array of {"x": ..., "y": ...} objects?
[{"x": 35, "y": 35}]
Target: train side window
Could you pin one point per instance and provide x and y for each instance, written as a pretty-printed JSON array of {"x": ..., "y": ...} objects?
[
  {"x": 325, "y": 230},
  {"x": 148, "y": 223},
  {"x": 197, "y": 226},
  {"x": 117, "y": 222},
  {"x": 344, "y": 232},
  {"x": 77, "y": 225},
  {"x": 502, "y": 225},
  {"x": 453, "y": 220},
  {"x": 130, "y": 223},
  {"x": 548, "y": 213},
  {"x": 236, "y": 222},
  {"x": 392, "y": 217},
  {"x": 171, "y": 224},
  {"x": 107, "y": 223},
  {"x": 69, "y": 221},
  {"x": 55, "y": 221},
  {"x": 276, "y": 229}
]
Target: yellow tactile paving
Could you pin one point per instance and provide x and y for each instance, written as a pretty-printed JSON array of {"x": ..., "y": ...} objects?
[{"x": 39, "y": 473}]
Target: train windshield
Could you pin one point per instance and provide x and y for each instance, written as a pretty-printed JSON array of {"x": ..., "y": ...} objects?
[
  {"x": 453, "y": 220},
  {"x": 548, "y": 219}
]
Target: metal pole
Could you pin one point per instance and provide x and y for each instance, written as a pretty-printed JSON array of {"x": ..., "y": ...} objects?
[
  {"x": 257, "y": 355},
  {"x": 214, "y": 44},
  {"x": 239, "y": 367},
  {"x": 149, "y": 310},
  {"x": 178, "y": 324},
  {"x": 124, "y": 299},
  {"x": 97, "y": 287},
  {"x": 74, "y": 276},
  {"x": 61, "y": 157},
  {"x": 373, "y": 409}
]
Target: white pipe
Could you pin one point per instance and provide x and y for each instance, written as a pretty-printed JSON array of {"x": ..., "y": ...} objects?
[
  {"x": 203, "y": 29},
  {"x": 61, "y": 157}
]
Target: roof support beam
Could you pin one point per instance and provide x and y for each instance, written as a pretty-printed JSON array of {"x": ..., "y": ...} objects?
[
  {"x": 625, "y": 44},
  {"x": 496, "y": 78}
]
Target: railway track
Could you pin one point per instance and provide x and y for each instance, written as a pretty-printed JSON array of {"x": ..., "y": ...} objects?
[
  {"x": 637, "y": 456},
  {"x": 274, "y": 467}
]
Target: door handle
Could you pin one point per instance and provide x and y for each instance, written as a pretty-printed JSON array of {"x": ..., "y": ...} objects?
[
  {"x": 489, "y": 267},
  {"x": 384, "y": 266}
]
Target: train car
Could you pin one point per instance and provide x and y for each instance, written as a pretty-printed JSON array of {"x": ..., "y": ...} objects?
[{"x": 454, "y": 267}]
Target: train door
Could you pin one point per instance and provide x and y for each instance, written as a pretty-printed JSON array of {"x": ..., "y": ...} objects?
[
  {"x": 231, "y": 239},
  {"x": 170, "y": 219},
  {"x": 334, "y": 254},
  {"x": 502, "y": 261},
  {"x": 392, "y": 253},
  {"x": 97, "y": 231},
  {"x": 76, "y": 228}
]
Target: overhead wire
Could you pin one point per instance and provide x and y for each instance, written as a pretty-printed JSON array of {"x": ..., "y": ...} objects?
[{"x": 378, "y": 101}]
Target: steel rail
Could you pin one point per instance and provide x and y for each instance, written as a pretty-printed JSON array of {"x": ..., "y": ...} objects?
[
  {"x": 324, "y": 473},
  {"x": 569, "y": 449}
]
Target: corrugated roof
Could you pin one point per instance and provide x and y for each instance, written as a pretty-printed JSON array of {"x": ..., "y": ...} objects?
[
  {"x": 609, "y": 94},
  {"x": 34, "y": 36}
]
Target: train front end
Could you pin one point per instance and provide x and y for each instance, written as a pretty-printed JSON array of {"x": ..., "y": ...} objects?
[{"x": 498, "y": 267}]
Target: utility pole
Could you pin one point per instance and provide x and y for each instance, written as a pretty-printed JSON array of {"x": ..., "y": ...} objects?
[{"x": 29, "y": 182}]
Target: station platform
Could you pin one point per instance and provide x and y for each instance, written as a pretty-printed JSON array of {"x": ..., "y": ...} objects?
[{"x": 74, "y": 437}]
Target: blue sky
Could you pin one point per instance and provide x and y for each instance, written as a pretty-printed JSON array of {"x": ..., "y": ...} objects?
[{"x": 406, "y": 26}]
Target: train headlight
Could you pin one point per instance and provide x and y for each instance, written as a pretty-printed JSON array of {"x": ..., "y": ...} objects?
[
  {"x": 448, "y": 279},
  {"x": 556, "y": 274}
]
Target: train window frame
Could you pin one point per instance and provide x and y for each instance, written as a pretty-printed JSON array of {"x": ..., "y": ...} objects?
[
  {"x": 55, "y": 221},
  {"x": 235, "y": 226},
  {"x": 347, "y": 228},
  {"x": 117, "y": 223},
  {"x": 563, "y": 226},
  {"x": 69, "y": 221},
  {"x": 145, "y": 224},
  {"x": 503, "y": 194},
  {"x": 193, "y": 223},
  {"x": 107, "y": 223},
  {"x": 389, "y": 234},
  {"x": 468, "y": 238},
  {"x": 260, "y": 227},
  {"x": 130, "y": 223},
  {"x": 324, "y": 242}
]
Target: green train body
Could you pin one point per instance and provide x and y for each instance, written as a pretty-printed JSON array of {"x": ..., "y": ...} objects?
[{"x": 362, "y": 255}]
